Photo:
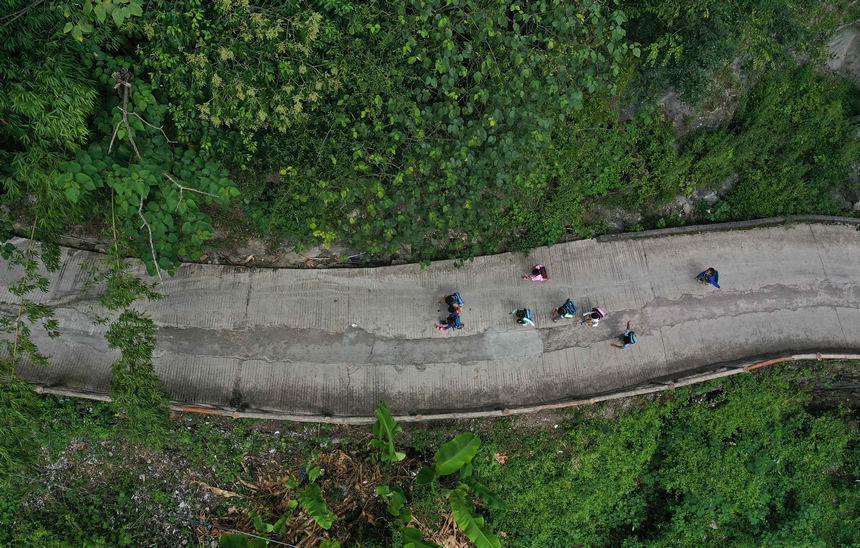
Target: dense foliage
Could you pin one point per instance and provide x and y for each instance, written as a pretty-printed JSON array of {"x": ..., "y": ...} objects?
[
  {"x": 734, "y": 462},
  {"x": 790, "y": 142},
  {"x": 691, "y": 44},
  {"x": 448, "y": 127},
  {"x": 739, "y": 461}
]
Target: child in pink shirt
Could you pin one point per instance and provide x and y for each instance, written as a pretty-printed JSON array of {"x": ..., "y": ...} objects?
[{"x": 538, "y": 274}]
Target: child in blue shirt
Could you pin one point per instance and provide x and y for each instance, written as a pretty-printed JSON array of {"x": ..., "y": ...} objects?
[{"x": 709, "y": 276}]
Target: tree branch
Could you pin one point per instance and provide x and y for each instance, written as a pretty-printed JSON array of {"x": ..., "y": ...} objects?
[
  {"x": 113, "y": 137},
  {"x": 152, "y": 126},
  {"x": 151, "y": 245},
  {"x": 181, "y": 188},
  {"x": 124, "y": 78},
  {"x": 15, "y": 15}
]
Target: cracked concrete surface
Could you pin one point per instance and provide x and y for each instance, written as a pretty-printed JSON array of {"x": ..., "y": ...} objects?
[{"x": 335, "y": 342}]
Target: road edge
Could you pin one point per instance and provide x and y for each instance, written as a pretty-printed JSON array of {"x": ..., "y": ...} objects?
[{"x": 646, "y": 388}]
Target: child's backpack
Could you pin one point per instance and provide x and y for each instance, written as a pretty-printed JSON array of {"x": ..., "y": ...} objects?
[
  {"x": 540, "y": 270},
  {"x": 568, "y": 309},
  {"x": 631, "y": 338},
  {"x": 524, "y": 314},
  {"x": 597, "y": 313},
  {"x": 455, "y": 298}
]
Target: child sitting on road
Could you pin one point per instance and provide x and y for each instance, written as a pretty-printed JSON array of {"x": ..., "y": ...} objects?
[
  {"x": 709, "y": 276},
  {"x": 567, "y": 310},
  {"x": 539, "y": 274},
  {"x": 451, "y": 322},
  {"x": 524, "y": 316},
  {"x": 593, "y": 318}
]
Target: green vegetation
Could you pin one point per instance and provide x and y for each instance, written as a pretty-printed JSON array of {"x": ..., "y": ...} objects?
[
  {"x": 449, "y": 128},
  {"x": 739, "y": 462},
  {"x": 746, "y": 460},
  {"x": 790, "y": 142}
]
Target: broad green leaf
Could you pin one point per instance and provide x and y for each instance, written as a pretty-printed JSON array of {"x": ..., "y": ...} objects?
[
  {"x": 386, "y": 427},
  {"x": 425, "y": 476},
  {"x": 471, "y": 523},
  {"x": 258, "y": 523},
  {"x": 413, "y": 538},
  {"x": 483, "y": 492},
  {"x": 466, "y": 470},
  {"x": 457, "y": 452},
  {"x": 310, "y": 498},
  {"x": 73, "y": 193},
  {"x": 232, "y": 540},
  {"x": 118, "y": 15},
  {"x": 313, "y": 473},
  {"x": 281, "y": 524}
]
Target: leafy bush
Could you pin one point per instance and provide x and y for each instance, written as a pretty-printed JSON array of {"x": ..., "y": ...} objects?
[
  {"x": 738, "y": 461},
  {"x": 389, "y": 124},
  {"x": 689, "y": 43},
  {"x": 791, "y": 143}
]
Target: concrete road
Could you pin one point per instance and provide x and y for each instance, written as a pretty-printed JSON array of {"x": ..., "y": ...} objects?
[{"x": 335, "y": 342}]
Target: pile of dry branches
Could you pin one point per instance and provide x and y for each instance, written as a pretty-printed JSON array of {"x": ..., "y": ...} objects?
[{"x": 348, "y": 486}]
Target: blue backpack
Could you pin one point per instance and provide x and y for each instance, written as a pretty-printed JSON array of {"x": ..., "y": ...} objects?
[
  {"x": 568, "y": 309},
  {"x": 631, "y": 338},
  {"x": 524, "y": 314},
  {"x": 455, "y": 298}
]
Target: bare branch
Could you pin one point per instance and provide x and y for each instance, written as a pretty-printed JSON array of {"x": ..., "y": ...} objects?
[
  {"x": 15, "y": 15},
  {"x": 151, "y": 245},
  {"x": 152, "y": 126},
  {"x": 123, "y": 78},
  {"x": 113, "y": 137},
  {"x": 181, "y": 188}
]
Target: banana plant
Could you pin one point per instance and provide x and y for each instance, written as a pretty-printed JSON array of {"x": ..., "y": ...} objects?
[
  {"x": 384, "y": 430},
  {"x": 455, "y": 457},
  {"x": 308, "y": 497}
]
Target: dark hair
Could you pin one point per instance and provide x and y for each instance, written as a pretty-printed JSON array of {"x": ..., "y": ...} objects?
[{"x": 521, "y": 313}]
